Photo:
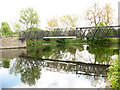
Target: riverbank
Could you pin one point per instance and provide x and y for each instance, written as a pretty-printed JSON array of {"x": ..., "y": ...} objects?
[{"x": 14, "y": 42}]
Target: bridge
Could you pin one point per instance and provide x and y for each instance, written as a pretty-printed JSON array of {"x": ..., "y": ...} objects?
[
  {"x": 78, "y": 32},
  {"x": 78, "y": 68}
]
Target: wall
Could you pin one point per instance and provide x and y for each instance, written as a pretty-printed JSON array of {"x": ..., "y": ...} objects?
[
  {"x": 13, "y": 53},
  {"x": 12, "y": 42}
]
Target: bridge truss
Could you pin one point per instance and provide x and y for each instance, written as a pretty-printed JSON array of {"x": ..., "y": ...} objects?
[{"x": 79, "y": 32}]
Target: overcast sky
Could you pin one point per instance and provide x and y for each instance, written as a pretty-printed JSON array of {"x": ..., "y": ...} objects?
[{"x": 10, "y": 9}]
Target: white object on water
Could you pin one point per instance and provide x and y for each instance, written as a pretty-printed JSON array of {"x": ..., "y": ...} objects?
[{"x": 85, "y": 47}]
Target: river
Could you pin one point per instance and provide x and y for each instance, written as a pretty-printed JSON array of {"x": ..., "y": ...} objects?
[{"x": 57, "y": 66}]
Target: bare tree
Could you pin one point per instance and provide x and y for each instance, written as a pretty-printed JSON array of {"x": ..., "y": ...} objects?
[
  {"x": 96, "y": 15},
  {"x": 107, "y": 14},
  {"x": 52, "y": 22},
  {"x": 69, "y": 20}
]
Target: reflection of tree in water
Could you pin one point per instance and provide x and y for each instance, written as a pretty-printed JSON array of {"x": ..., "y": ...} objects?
[
  {"x": 30, "y": 70},
  {"x": 5, "y": 62},
  {"x": 53, "y": 51},
  {"x": 47, "y": 51},
  {"x": 101, "y": 52},
  {"x": 39, "y": 52},
  {"x": 94, "y": 80},
  {"x": 97, "y": 81}
]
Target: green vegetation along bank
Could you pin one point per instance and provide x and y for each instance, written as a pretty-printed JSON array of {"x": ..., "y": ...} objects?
[{"x": 35, "y": 42}]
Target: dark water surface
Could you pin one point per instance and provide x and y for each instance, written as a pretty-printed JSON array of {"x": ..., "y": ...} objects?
[{"x": 59, "y": 66}]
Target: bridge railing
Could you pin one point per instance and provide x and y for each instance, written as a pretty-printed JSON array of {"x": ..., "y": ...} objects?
[{"x": 82, "y": 32}]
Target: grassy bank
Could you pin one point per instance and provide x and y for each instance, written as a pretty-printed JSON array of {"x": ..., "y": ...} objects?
[
  {"x": 76, "y": 40},
  {"x": 54, "y": 41}
]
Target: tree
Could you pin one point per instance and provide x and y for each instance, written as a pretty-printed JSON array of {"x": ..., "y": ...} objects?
[
  {"x": 107, "y": 15},
  {"x": 96, "y": 15},
  {"x": 0, "y": 31},
  {"x": 53, "y": 22},
  {"x": 5, "y": 28},
  {"x": 29, "y": 18},
  {"x": 17, "y": 28},
  {"x": 69, "y": 20}
]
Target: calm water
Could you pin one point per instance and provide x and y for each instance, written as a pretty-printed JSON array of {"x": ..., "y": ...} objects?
[{"x": 59, "y": 66}]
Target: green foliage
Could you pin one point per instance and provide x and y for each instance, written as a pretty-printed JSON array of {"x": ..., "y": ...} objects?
[
  {"x": 30, "y": 70},
  {"x": 33, "y": 28},
  {"x": 99, "y": 40},
  {"x": 114, "y": 74},
  {"x": 5, "y": 29},
  {"x": 40, "y": 51},
  {"x": 29, "y": 18},
  {"x": 100, "y": 24},
  {"x": 102, "y": 52},
  {"x": 60, "y": 40},
  {"x": 54, "y": 41},
  {"x": 17, "y": 28},
  {"x": 6, "y": 62}
]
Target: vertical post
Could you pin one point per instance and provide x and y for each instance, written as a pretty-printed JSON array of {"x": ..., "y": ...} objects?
[
  {"x": 119, "y": 38},
  {"x": 76, "y": 32},
  {"x": 20, "y": 34},
  {"x": 119, "y": 22},
  {"x": 119, "y": 13}
]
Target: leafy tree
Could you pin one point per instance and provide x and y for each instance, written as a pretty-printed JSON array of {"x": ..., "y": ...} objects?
[
  {"x": 17, "y": 28},
  {"x": 114, "y": 74},
  {"x": 6, "y": 29},
  {"x": 69, "y": 20},
  {"x": 29, "y": 18}
]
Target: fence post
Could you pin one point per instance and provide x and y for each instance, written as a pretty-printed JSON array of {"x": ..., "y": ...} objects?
[{"x": 76, "y": 32}]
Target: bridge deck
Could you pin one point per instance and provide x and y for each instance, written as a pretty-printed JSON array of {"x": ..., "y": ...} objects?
[{"x": 62, "y": 37}]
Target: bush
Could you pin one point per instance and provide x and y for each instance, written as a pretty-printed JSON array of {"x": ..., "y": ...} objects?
[{"x": 114, "y": 74}]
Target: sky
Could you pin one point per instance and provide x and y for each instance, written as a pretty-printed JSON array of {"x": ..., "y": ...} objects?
[{"x": 10, "y": 9}]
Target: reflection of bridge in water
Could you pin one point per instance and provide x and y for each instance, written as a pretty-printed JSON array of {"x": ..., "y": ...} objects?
[{"x": 78, "y": 68}]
